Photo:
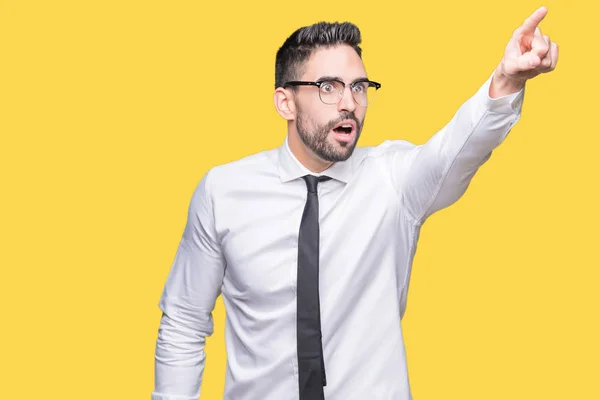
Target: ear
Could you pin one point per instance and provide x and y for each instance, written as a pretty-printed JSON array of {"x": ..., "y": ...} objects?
[{"x": 284, "y": 103}]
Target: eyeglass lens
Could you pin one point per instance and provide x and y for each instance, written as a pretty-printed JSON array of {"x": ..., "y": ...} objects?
[{"x": 331, "y": 92}]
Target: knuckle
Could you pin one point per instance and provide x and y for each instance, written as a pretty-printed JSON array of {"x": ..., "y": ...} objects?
[{"x": 545, "y": 65}]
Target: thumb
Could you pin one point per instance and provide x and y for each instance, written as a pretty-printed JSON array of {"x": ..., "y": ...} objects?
[{"x": 528, "y": 61}]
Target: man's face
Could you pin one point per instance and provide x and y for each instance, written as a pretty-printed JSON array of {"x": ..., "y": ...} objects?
[{"x": 330, "y": 131}]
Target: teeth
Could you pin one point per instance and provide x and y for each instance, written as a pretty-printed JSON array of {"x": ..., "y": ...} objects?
[{"x": 346, "y": 126}]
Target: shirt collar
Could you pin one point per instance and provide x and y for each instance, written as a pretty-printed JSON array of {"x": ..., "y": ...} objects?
[{"x": 290, "y": 168}]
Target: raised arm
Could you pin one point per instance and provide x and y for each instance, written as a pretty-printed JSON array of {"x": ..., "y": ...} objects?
[
  {"x": 436, "y": 174},
  {"x": 187, "y": 302}
]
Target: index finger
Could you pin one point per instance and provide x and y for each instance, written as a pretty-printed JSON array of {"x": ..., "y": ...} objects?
[{"x": 534, "y": 20}]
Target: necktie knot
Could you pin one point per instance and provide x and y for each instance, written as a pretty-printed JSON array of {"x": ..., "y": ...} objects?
[{"x": 312, "y": 182}]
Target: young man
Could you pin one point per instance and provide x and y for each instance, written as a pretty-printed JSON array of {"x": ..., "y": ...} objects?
[{"x": 311, "y": 244}]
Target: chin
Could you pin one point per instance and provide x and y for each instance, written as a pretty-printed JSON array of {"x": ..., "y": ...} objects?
[{"x": 341, "y": 152}]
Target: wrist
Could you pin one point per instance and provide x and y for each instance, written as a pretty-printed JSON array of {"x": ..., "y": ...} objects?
[{"x": 502, "y": 85}]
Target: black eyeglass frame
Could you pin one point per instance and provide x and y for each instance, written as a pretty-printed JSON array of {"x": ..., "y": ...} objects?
[{"x": 318, "y": 84}]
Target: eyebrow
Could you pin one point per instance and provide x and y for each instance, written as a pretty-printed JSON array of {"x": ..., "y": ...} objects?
[{"x": 337, "y": 78}]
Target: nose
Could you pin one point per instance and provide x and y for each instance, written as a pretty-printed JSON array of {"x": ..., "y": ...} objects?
[{"x": 347, "y": 101}]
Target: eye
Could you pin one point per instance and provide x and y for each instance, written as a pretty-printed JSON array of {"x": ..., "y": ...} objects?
[
  {"x": 359, "y": 87},
  {"x": 327, "y": 87}
]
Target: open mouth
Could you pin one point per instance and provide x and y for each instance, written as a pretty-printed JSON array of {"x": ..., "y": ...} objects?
[{"x": 345, "y": 130}]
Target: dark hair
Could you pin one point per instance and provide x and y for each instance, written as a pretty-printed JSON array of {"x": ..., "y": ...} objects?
[{"x": 297, "y": 48}]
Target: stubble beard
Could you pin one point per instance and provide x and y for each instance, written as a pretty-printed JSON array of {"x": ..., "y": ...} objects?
[{"x": 317, "y": 139}]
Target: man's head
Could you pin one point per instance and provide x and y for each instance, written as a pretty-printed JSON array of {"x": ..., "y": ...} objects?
[{"x": 324, "y": 117}]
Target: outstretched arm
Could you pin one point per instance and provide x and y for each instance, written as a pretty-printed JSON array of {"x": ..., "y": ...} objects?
[{"x": 434, "y": 175}]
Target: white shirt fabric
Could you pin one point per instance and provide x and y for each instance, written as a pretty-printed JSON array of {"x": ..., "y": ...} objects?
[{"x": 241, "y": 240}]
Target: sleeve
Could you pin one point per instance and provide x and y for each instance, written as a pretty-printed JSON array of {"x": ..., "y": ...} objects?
[
  {"x": 436, "y": 174},
  {"x": 187, "y": 301}
]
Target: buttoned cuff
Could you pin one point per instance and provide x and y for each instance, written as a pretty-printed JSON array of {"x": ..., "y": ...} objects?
[
  {"x": 160, "y": 396},
  {"x": 509, "y": 104}
]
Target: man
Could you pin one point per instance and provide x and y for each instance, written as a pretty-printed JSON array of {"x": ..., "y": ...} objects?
[{"x": 311, "y": 244}]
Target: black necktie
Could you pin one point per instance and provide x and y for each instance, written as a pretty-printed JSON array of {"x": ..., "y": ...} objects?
[{"x": 311, "y": 366}]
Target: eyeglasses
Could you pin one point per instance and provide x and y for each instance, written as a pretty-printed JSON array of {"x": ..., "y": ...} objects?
[{"x": 331, "y": 91}]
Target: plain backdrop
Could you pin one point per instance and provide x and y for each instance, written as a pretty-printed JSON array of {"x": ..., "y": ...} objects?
[{"x": 112, "y": 111}]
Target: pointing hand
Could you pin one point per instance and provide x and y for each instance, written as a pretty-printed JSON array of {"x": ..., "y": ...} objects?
[{"x": 529, "y": 53}]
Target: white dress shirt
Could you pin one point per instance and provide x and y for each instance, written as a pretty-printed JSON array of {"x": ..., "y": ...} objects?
[{"x": 241, "y": 240}]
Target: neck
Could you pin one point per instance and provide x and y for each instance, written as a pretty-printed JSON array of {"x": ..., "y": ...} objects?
[{"x": 307, "y": 157}]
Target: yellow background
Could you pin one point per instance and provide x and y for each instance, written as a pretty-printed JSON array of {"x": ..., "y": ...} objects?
[{"x": 112, "y": 111}]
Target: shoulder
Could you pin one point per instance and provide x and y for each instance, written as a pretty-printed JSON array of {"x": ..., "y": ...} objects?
[
  {"x": 386, "y": 150},
  {"x": 239, "y": 173},
  {"x": 250, "y": 164}
]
